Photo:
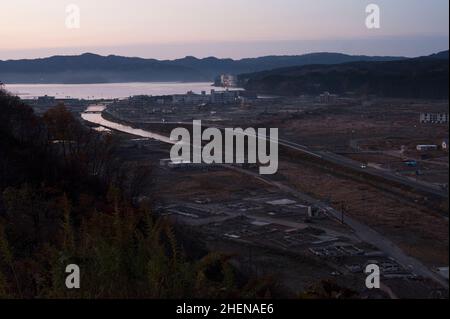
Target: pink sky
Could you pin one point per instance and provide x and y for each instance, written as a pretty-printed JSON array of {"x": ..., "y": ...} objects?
[{"x": 233, "y": 28}]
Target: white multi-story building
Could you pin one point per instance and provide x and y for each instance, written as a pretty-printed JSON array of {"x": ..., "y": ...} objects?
[
  {"x": 434, "y": 118},
  {"x": 228, "y": 80},
  {"x": 327, "y": 98}
]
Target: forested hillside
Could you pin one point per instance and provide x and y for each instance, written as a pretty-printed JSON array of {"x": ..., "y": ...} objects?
[
  {"x": 424, "y": 78},
  {"x": 92, "y": 68},
  {"x": 64, "y": 199}
]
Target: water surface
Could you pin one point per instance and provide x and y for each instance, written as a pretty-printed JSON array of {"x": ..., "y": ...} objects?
[{"x": 106, "y": 90}]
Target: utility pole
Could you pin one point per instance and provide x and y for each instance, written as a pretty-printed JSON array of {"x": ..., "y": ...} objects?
[{"x": 342, "y": 212}]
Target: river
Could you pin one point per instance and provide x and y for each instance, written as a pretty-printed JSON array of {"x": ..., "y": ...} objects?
[{"x": 93, "y": 115}]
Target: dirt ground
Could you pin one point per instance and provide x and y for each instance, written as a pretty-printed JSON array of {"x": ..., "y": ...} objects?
[
  {"x": 382, "y": 127},
  {"x": 338, "y": 125},
  {"x": 421, "y": 232}
]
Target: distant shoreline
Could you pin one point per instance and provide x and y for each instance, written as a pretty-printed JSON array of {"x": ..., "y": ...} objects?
[{"x": 103, "y": 83}]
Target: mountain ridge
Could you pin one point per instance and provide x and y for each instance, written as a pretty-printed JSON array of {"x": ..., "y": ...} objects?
[{"x": 94, "y": 68}]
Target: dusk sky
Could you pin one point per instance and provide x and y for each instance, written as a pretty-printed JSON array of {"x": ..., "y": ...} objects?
[{"x": 167, "y": 29}]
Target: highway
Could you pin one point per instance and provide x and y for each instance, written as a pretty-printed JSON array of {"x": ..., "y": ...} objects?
[{"x": 356, "y": 167}]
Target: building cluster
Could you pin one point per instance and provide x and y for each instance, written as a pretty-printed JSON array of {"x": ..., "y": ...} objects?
[
  {"x": 50, "y": 101},
  {"x": 216, "y": 97},
  {"x": 42, "y": 104}
]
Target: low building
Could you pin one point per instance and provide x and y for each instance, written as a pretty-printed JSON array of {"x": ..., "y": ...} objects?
[
  {"x": 46, "y": 100},
  {"x": 191, "y": 98},
  {"x": 423, "y": 148},
  {"x": 180, "y": 163},
  {"x": 224, "y": 97}
]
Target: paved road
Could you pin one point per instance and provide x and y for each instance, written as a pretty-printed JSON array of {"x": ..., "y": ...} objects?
[{"x": 356, "y": 166}]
